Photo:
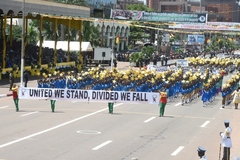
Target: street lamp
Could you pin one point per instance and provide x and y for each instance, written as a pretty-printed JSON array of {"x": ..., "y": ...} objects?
[{"x": 22, "y": 49}]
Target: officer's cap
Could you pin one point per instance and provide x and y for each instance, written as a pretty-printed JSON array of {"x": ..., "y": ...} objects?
[
  {"x": 226, "y": 121},
  {"x": 201, "y": 149}
]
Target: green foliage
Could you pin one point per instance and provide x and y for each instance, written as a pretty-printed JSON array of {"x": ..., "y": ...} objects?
[
  {"x": 148, "y": 51},
  {"x": 137, "y": 33},
  {"x": 218, "y": 42},
  {"x": 139, "y": 7},
  {"x": 135, "y": 57},
  {"x": 17, "y": 33},
  {"x": 74, "y": 2},
  {"x": 32, "y": 36},
  {"x": 91, "y": 34}
]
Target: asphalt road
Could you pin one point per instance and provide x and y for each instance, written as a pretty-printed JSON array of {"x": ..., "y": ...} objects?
[{"x": 85, "y": 131}]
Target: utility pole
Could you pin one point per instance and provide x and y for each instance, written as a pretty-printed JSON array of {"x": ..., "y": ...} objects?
[
  {"x": 103, "y": 25},
  {"x": 113, "y": 36},
  {"x": 22, "y": 49}
]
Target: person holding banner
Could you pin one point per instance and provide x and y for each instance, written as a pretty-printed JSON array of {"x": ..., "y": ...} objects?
[
  {"x": 15, "y": 96},
  {"x": 163, "y": 102},
  {"x": 53, "y": 102},
  {"x": 110, "y": 107}
]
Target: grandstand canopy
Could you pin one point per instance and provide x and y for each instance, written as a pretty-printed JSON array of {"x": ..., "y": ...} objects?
[{"x": 74, "y": 45}]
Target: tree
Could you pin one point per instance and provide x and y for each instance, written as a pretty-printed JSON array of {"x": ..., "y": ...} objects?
[
  {"x": 17, "y": 33},
  {"x": 219, "y": 42},
  {"x": 137, "y": 33},
  {"x": 148, "y": 51},
  {"x": 139, "y": 7},
  {"x": 91, "y": 34},
  {"x": 32, "y": 36},
  {"x": 136, "y": 57},
  {"x": 75, "y": 2}
]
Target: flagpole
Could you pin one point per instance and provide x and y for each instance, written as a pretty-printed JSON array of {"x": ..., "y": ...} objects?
[
  {"x": 22, "y": 48},
  {"x": 113, "y": 38}
]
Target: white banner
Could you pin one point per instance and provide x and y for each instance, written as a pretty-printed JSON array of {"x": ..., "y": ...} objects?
[
  {"x": 182, "y": 62},
  {"x": 194, "y": 38},
  {"x": 157, "y": 68},
  {"x": 216, "y": 26},
  {"x": 88, "y": 95}
]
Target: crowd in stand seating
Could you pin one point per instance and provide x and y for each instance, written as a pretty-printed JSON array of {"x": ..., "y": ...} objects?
[{"x": 13, "y": 54}]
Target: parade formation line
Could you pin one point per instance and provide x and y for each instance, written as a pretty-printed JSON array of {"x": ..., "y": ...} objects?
[
  {"x": 101, "y": 145},
  {"x": 55, "y": 127}
]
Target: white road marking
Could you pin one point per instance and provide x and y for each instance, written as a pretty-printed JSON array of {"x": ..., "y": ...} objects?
[
  {"x": 4, "y": 107},
  {"x": 29, "y": 113},
  {"x": 177, "y": 104},
  {"x": 101, "y": 145},
  {"x": 88, "y": 132},
  {"x": 74, "y": 101},
  {"x": 221, "y": 108},
  {"x": 149, "y": 119},
  {"x": 55, "y": 127},
  {"x": 204, "y": 124},
  {"x": 177, "y": 151}
]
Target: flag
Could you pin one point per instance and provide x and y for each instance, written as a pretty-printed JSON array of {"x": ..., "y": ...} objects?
[{"x": 117, "y": 37}]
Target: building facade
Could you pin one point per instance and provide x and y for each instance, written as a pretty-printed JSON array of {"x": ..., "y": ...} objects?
[
  {"x": 218, "y": 10},
  {"x": 109, "y": 32}
]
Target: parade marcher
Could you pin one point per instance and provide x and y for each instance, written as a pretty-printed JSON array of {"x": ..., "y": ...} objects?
[
  {"x": 201, "y": 153},
  {"x": 163, "y": 102},
  {"x": 226, "y": 140},
  {"x": 53, "y": 102},
  {"x": 25, "y": 76},
  {"x": 110, "y": 107},
  {"x": 11, "y": 80},
  {"x": 236, "y": 98},
  {"x": 15, "y": 96}
]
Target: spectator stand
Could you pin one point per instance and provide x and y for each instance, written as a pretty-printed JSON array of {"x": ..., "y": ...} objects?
[{"x": 35, "y": 57}]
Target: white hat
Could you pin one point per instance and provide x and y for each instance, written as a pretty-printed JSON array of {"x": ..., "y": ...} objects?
[{"x": 226, "y": 121}]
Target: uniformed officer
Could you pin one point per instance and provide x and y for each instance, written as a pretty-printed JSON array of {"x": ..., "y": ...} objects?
[
  {"x": 110, "y": 107},
  {"x": 53, "y": 101},
  {"x": 226, "y": 140},
  {"x": 201, "y": 153}
]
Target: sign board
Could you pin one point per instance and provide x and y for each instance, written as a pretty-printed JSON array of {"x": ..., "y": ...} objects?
[
  {"x": 158, "y": 17},
  {"x": 196, "y": 38},
  {"x": 88, "y": 95},
  {"x": 214, "y": 26},
  {"x": 182, "y": 62},
  {"x": 158, "y": 68}
]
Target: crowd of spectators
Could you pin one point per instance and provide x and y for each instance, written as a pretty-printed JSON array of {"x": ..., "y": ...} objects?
[{"x": 13, "y": 55}]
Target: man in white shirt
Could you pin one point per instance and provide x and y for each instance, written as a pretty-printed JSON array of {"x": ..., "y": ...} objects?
[{"x": 226, "y": 140}]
